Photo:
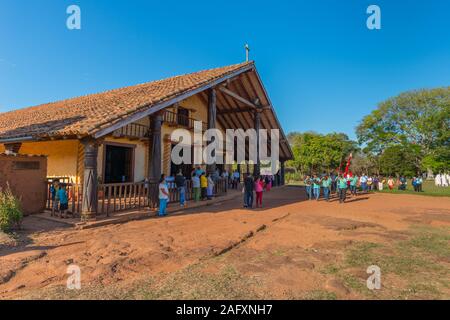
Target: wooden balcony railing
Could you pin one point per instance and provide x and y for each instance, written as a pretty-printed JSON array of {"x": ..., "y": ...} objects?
[
  {"x": 133, "y": 131},
  {"x": 175, "y": 119}
]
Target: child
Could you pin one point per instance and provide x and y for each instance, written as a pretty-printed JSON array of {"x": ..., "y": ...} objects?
[
  {"x": 196, "y": 187},
  {"x": 163, "y": 196},
  {"x": 210, "y": 189},
  {"x": 63, "y": 202},
  {"x": 259, "y": 187},
  {"x": 203, "y": 186},
  {"x": 54, "y": 188}
]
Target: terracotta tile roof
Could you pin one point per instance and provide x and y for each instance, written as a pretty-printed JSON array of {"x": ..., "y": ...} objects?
[{"x": 87, "y": 114}]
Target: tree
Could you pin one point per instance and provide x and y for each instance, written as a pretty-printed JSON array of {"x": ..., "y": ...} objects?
[
  {"x": 315, "y": 152},
  {"x": 417, "y": 118}
]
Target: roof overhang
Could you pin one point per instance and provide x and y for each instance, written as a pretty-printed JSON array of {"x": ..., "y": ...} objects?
[{"x": 236, "y": 96}]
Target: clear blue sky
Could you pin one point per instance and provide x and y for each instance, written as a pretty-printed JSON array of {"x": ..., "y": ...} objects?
[{"x": 323, "y": 69}]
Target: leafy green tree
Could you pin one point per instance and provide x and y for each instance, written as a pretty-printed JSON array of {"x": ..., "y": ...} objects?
[
  {"x": 315, "y": 152},
  {"x": 417, "y": 118}
]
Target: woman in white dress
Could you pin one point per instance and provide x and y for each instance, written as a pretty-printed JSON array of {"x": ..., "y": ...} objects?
[
  {"x": 437, "y": 180},
  {"x": 444, "y": 180}
]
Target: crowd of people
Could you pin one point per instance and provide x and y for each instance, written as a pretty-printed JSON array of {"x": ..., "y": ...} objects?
[
  {"x": 203, "y": 187},
  {"x": 342, "y": 184},
  {"x": 442, "y": 180}
]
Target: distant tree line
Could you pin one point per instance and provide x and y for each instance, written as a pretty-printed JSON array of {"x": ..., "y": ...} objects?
[{"x": 405, "y": 135}]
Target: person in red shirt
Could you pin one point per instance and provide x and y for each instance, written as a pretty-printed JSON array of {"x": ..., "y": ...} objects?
[{"x": 259, "y": 187}]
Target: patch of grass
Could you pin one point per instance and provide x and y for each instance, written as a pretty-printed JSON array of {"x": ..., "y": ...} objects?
[
  {"x": 192, "y": 283},
  {"x": 320, "y": 295},
  {"x": 361, "y": 255},
  {"x": 429, "y": 189},
  {"x": 330, "y": 269},
  {"x": 278, "y": 252},
  {"x": 421, "y": 261},
  {"x": 434, "y": 241},
  {"x": 420, "y": 291},
  {"x": 352, "y": 282}
]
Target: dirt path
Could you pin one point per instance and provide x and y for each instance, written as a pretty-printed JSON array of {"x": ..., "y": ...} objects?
[{"x": 282, "y": 251}]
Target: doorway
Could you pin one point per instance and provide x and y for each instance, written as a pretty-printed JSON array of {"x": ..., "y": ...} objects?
[{"x": 119, "y": 162}]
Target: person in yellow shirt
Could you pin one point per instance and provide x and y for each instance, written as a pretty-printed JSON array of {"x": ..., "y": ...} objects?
[{"x": 204, "y": 185}]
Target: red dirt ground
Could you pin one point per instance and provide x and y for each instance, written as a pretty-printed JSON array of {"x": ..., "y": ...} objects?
[{"x": 283, "y": 247}]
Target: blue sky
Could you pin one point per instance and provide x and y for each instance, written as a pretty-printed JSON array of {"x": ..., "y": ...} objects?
[{"x": 322, "y": 67}]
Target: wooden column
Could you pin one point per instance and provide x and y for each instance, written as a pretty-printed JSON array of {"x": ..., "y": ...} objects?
[
  {"x": 282, "y": 173},
  {"x": 212, "y": 118},
  {"x": 13, "y": 147},
  {"x": 90, "y": 182},
  {"x": 155, "y": 170},
  {"x": 257, "y": 166}
]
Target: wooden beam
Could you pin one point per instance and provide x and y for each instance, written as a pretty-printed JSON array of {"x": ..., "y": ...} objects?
[
  {"x": 242, "y": 110},
  {"x": 238, "y": 97}
]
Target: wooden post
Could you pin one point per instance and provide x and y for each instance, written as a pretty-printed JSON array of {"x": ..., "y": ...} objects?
[
  {"x": 90, "y": 182},
  {"x": 282, "y": 174},
  {"x": 155, "y": 155},
  {"x": 13, "y": 148},
  {"x": 212, "y": 118},
  {"x": 257, "y": 166}
]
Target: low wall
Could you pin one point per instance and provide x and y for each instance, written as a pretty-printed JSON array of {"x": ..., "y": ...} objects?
[{"x": 26, "y": 176}]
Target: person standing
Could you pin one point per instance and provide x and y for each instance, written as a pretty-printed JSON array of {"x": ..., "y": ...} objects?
[
  {"x": 444, "y": 180},
  {"x": 403, "y": 183},
  {"x": 342, "y": 188},
  {"x": 163, "y": 196},
  {"x": 363, "y": 182},
  {"x": 308, "y": 187},
  {"x": 437, "y": 180},
  {"x": 419, "y": 183},
  {"x": 63, "y": 201},
  {"x": 236, "y": 178},
  {"x": 391, "y": 183},
  {"x": 259, "y": 187},
  {"x": 326, "y": 185},
  {"x": 210, "y": 188},
  {"x": 249, "y": 186},
  {"x": 180, "y": 182},
  {"x": 353, "y": 183},
  {"x": 54, "y": 188},
  {"x": 316, "y": 187},
  {"x": 196, "y": 187},
  {"x": 203, "y": 186}
]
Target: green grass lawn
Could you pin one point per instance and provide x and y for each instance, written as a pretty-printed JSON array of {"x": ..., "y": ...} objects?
[{"x": 429, "y": 189}]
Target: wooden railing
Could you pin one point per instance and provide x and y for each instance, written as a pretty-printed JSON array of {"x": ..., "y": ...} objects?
[
  {"x": 173, "y": 118},
  {"x": 221, "y": 186},
  {"x": 132, "y": 131},
  {"x": 118, "y": 197},
  {"x": 126, "y": 196},
  {"x": 74, "y": 194}
]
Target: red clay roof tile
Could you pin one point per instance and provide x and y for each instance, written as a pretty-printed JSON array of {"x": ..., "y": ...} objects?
[{"x": 87, "y": 114}]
